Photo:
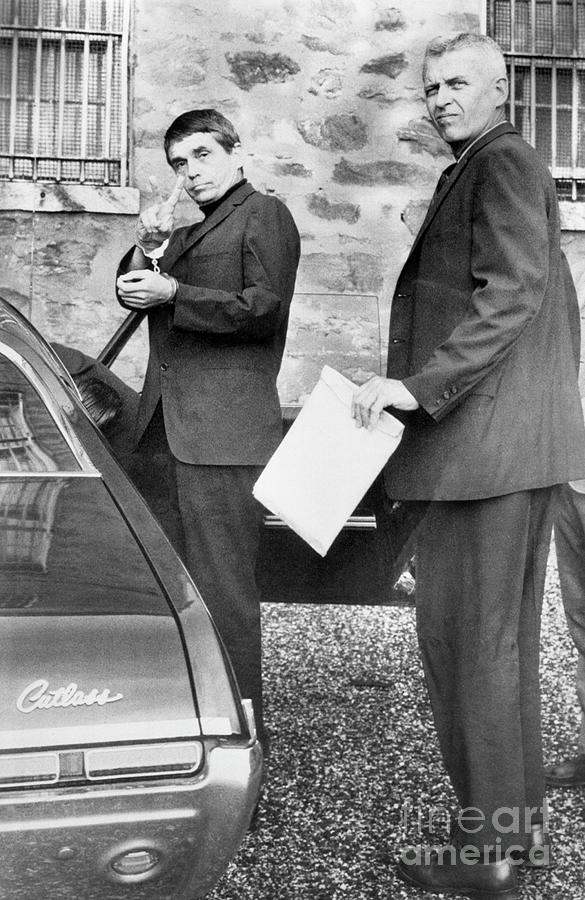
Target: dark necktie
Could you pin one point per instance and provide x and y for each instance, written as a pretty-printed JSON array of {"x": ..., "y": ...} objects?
[{"x": 443, "y": 178}]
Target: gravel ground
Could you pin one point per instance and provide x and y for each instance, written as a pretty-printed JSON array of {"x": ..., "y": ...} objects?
[{"x": 354, "y": 758}]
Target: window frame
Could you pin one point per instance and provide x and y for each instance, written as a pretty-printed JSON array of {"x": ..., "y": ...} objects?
[
  {"x": 570, "y": 179},
  {"x": 39, "y": 38}
]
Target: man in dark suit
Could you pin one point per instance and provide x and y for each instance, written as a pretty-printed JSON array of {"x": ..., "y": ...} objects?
[
  {"x": 217, "y": 295},
  {"x": 482, "y": 361}
]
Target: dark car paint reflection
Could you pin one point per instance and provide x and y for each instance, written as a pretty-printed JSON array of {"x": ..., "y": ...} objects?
[
  {"x": 123, "y": 738},
  {"x": 45, "y": 567}
]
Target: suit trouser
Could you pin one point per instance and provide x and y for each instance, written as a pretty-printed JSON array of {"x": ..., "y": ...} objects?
[
  {"x": 480, "y": 570},
  {"x": 570, "y": 547},
  {"x": 214, "y": 523}
]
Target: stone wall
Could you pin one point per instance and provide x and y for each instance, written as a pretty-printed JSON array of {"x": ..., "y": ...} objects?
[
  {"x": 326, "y": 96},
  {"x": 327, "y": 99}
]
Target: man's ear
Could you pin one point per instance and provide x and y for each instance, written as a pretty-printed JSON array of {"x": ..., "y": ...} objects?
[
  {"x": 236, "y": 151},
  {"x": 502, "y": 89}
]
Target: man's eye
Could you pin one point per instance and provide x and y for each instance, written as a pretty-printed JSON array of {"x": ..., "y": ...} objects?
[
  {"x": 178, "y": 166},
  {"x": 430, "y": 91},
  {"x": 203, "y": 155}
]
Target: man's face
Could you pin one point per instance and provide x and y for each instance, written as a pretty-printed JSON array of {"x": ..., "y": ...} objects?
[
  {"x": 464, "y": 96},
  {"x": 209, "y": 170}
]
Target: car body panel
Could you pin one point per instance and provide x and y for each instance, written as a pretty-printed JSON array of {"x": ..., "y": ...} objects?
[
  {"x": 128, "y": 760},
  {"x": 67, "y": 840}
]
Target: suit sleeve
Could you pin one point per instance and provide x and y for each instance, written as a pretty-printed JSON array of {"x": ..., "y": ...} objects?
[
  {"x": 270, "y": 255},
  {"x": 509, "y": 268}
]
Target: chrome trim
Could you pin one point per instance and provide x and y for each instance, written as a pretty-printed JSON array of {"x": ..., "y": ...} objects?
[
  {"x": 248, "y": 708},
  {"x": 86, "y": 734},
  {"x": 43, "y": 476},
  {"x": 165, "y": 767},
  {"x": 216, "y": 725},
  {"x": 361, "y": 523},
  {"x": 30, "y": 781},
  {"x": 54, "y": 409},
  {"x": 114, "y": 818},
  {"x": 37, "y": 696}
]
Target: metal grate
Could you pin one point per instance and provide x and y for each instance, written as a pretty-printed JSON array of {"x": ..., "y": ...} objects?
[
  {"x": 544, "y": 45},
  {"x": 63, "y": 90}
]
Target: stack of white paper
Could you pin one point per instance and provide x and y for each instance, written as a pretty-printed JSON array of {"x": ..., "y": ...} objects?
[{"x": 325, "y": 465}]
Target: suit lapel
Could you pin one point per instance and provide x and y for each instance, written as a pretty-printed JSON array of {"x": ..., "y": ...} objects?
[
  {"x": 504, "y": 128},
  {"x": 188, "y": 237}
]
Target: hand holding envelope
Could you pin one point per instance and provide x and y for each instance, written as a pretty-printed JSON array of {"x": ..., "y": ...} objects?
[{"x": 324, "y": 465}]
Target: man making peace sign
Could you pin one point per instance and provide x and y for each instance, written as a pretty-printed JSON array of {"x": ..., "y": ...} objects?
[{"x": 217, "y": 294}]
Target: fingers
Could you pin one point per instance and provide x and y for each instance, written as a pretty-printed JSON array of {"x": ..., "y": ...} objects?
[
  {"x": 155, "y": 190},
  {"x": 157, "y": 220},
  {"x": 175, "y": 194},
  {"x": 367, "y": 404},
  {"x": 142, "y": 289}
]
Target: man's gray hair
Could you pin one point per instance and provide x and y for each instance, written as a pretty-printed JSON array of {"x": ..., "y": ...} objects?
[{"x": 462, "y": 40}]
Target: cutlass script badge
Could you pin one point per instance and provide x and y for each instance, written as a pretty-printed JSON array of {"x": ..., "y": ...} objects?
[{"x": 38, "y": 696}]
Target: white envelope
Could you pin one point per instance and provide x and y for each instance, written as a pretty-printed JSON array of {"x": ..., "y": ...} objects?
[{"x": 324, "y": 465}]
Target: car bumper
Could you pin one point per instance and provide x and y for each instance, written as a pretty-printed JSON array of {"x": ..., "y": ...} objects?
[{"x": 63, "y": 843}]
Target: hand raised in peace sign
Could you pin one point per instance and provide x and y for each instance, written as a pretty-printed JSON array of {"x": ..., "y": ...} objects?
[{"x": 157, "y": 221}]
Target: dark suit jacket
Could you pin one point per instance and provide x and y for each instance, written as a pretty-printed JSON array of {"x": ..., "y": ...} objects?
[
  {"x": 485, "y": 333},
  {"x": 215, "y": 354}
]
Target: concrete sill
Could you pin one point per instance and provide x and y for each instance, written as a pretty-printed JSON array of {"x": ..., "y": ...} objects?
[
  {"x": 572, "y": 215},
  {"x": 52, "y": 197}
]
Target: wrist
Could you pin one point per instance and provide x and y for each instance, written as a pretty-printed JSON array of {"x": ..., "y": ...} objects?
[
  {"x": 173, "y": 286},
  {"x": 152, "y": 250}
]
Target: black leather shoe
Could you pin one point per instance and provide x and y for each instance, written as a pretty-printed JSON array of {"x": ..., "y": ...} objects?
[
  {"x": 448, "y": 870},
  {"x": 537, "y": 853},
  {"x": 570, "y": 773}
]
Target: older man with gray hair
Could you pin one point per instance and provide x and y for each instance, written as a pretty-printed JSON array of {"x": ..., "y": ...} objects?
[{"x": 482, "y": 367}]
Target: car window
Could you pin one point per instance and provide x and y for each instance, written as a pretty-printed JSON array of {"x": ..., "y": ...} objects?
[{"x": 30, "y": 440}]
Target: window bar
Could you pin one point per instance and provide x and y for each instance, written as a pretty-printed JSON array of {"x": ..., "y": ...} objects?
[
  {"x": 13, "y": 99},
  {"x": 85, "y": 96},
  {"x": 553, "y": 116},
  {"x": 575, "y": 27},
  {"x": 108, "y": 107},
  {"x": 574, "y": 129},
  {"x": 36, "y": 121},
  {"x": 61, "y": 119},
  {"x": 512, "y": 103},
  {"x": 554, "y": 26},
  {"x": 513, "y": 26},
  {"x": 532, "y": 102},
  {"x": 124, "y": 94},
  {"x": 533, "y": 25}
]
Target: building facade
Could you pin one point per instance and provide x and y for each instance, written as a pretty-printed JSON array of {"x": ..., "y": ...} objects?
[{"x": 327, "y": 98}]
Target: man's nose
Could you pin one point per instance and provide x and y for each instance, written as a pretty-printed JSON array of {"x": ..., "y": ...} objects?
[
  {"x": 443, "y": 95},
  {"x": 193, "y": 168}
]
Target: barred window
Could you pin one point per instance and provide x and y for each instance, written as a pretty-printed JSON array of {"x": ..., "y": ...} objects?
[
  {"x": 63, "y": 91},
  {"x": 544, "y": 45}
]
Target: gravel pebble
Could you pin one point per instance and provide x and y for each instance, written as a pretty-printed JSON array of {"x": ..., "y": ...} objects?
[{"x": 354, "y": 756}]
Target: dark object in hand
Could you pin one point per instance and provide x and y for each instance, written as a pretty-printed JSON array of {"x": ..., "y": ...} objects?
[{"x": 102, "y": 402}]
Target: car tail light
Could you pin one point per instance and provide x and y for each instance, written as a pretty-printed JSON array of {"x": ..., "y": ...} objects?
[
  {"x": 100, "y": 764},
  {"x": 142, "y": 760},
  {"x": 29, "y": 769}
]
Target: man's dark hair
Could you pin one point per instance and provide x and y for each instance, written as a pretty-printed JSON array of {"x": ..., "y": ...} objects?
[{"x": 208, "y": 121}]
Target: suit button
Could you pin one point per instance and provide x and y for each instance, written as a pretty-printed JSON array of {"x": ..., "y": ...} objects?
[
  {"x": 402, "y": 296},
  {"x": 397, "y": 340},
  {"x": 446, "y": 395},
  {"x": 164, "y": 367},
  {"x": 453, "y": 390}
]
